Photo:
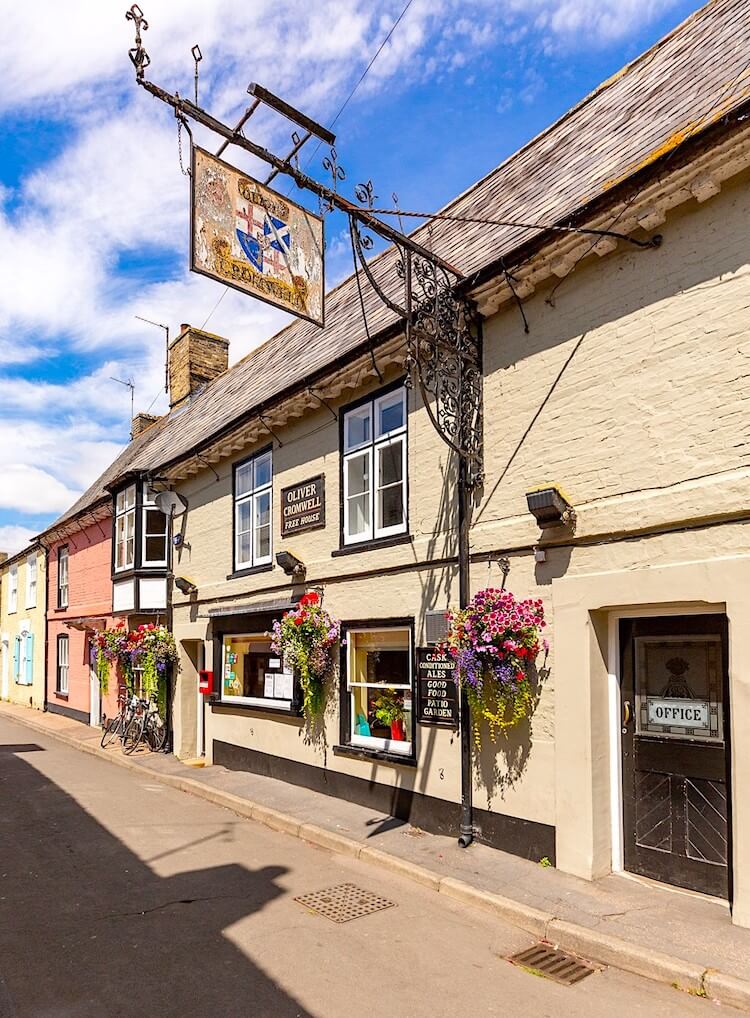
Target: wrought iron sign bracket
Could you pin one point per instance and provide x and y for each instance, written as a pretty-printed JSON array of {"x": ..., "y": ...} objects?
[{"x": 443, "y": 355}]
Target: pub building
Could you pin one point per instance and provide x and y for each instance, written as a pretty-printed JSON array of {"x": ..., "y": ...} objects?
[{"x": 616, "y": 486}]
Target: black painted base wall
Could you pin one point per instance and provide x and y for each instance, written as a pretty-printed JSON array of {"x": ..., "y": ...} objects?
[
  {"x": 69, "y": 712},
  {"x": 525, "y": 838}
]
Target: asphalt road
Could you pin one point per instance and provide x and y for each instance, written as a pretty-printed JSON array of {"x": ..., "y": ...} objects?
[{"x": 124, "y": 899}]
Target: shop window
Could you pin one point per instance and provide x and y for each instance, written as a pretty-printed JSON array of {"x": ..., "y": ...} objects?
[
  {"x": 125, "y": 529},
  {"x": 154, "y": 541},
  {"x": 62, "y": 664},
  {"x": 375, "y": 468},
  {"x": 62, "y": 576},
  {"x": 12, "y": 590},
  {"x": 379, "y": 678},
  {"x": 252, "y": 511},
  {"x": 253, "y": 674}
]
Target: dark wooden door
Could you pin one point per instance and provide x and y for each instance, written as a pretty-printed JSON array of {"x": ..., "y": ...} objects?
[{"x": 675, "y": 750}]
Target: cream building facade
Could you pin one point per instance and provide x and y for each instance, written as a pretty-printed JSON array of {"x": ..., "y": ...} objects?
[
  {"x": 23, "y": 607},
  {"x": 615, "y": 357}
]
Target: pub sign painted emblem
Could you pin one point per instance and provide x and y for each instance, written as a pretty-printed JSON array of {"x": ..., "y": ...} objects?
[{"x": 254, "y": 239}]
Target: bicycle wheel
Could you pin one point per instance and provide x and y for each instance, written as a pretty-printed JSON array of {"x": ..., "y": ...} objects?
[
  {"x": 111, "y": 730},
  {"x": 155, "y": 733},
  {"x": 133, "y": 734}
]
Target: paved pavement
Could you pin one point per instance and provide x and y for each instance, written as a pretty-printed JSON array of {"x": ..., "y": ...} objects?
[{"x": 120, "y": 896}]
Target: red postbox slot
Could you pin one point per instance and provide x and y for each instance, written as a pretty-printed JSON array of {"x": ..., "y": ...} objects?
[{"x": 205, "y": 682}]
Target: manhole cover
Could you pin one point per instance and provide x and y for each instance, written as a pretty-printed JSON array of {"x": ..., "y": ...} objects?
[
  {"x": 345, "y": 902},
  {"x": 543, "y": 960}
]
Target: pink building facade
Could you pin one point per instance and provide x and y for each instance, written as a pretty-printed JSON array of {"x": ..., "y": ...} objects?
[{"x": 79, "y": 601}]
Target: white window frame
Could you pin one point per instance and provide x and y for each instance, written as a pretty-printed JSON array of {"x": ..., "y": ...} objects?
[
  {"x": 31, "y": 581},
  {"x": 252, "y": 497},
  {"x": 405, "y": 748},
  {"x": 251, "y": 701},
  {"x": 13, "y": 590},
  {"x": 63, "y": 585},
  {"x": 125, "y": 510},
  {"x": 150, "y": 506},
  {"x": 373, "y": 448},
  {"x": 63, "y": 667}
]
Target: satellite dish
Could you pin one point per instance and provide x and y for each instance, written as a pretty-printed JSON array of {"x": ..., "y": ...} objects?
[{"x": 170, "y": 503}]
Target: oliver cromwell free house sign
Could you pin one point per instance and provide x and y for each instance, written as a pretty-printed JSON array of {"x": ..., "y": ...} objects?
[{"x": 303, "y": 506}]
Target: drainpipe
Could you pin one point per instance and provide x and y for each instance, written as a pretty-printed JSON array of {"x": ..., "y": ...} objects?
[{"x": 466, "y": 828}]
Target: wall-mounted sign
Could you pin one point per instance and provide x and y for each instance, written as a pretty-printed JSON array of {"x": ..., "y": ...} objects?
[
  {"x": 303, "y": 506},
  {"x": 255, "y": 239},
  {"x": 438, "y": 693}
]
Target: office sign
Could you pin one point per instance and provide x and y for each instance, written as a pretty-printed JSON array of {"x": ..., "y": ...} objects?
[
  {"x": 438, "y": 693},
  {"x": 677, "y": 712},
  {"x": 255, "y": 239},
  {"x": 303, "y": 506}
]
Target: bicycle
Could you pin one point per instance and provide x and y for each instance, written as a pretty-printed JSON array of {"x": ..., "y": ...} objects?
[
  {"x": 116, "y": 726},
  {"x": 146, "y": 725}
]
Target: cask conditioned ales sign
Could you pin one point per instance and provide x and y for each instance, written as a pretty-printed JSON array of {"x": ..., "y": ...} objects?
[
  {"x": 303, "y": 506},
  {"x": 438, "y": 693}
]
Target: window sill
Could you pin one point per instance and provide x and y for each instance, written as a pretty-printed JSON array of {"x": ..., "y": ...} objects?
[
  {"x": 61, "y": 608},
  {"x": 381, "y": 542},
  {"x": 254, "y": 709},
  {"x": 360, "y": 753},
  {"x": 250, "y": 571},
  {"x": 61, "y": 696}
]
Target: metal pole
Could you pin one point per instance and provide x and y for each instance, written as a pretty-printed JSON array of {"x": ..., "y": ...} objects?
[{"x": 466, "y": 828}]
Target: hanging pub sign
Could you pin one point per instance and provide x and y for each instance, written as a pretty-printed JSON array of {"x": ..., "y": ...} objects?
[
  {"x": 303, "y": 506},
  {"x": 438, "y": 692},
  {"x": 255, "y": 239}
]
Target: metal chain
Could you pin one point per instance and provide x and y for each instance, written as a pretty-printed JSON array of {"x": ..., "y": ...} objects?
[{"x": 185, "y": 173}]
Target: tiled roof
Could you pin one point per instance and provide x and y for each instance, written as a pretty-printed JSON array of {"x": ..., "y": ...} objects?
[{"x": 681, "y": 86}]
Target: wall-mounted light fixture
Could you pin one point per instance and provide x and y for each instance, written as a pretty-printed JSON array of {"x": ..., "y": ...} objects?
[
  {"x": 550, "y": 507},
  {"x": 184, "y": 585},
  {"x": 291, "y": 565}
]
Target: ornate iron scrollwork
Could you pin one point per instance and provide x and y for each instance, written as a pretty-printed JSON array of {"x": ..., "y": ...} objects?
[
  {"x": 442, "y": 347},
  {"x": 138, "y": 55}
]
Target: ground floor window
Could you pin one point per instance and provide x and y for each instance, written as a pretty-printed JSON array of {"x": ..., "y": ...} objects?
[
  {"x": 253, "y": 674},
  {"x": 379, "y": 679},
  {"x": 62, "y": 664}
]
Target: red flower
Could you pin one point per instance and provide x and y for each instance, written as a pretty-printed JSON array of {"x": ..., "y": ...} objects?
[
  {"x": 308, "y": 599},
  {"x": 298, "y": 622}
]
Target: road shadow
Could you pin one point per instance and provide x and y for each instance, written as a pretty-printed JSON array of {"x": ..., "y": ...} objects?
[{"x": 87, "y": 930}]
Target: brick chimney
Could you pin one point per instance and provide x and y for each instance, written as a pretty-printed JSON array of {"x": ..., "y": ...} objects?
[
  {"x": 3, "y": 556},
  {"x": 195, "y": 358},
  {"x": 140, "y": 423}
]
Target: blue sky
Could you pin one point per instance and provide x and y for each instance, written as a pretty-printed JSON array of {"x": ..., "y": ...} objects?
[{"x": 94, "y": 208}]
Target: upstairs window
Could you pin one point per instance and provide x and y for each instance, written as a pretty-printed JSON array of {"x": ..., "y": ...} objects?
[
  {"x": 154, "y": 541},
  {"x": 252, "y": 511},
  {"x": 62, "y": 577},
  {"x": 31, "y": 581},
  {"x": 125, "y": 529},
  {"x": 375, "y": 468},
  {"x": 12, "y": 590}
]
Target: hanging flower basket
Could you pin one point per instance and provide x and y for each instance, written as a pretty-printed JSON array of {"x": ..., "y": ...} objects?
[
  {"x": 494, "y": 641},
  {"x": 149, "y": 649},
  {"x": 305, "y": 638}
]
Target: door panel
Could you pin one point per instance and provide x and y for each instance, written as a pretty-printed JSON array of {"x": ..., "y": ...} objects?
[{"x": 675, "y": 750}]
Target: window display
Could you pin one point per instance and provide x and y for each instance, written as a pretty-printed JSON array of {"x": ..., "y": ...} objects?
[
  {"x": 380, "y": 682},
  {"x": 254, "y": 674}
]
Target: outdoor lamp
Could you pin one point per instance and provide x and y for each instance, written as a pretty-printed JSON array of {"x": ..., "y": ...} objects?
[
  {"x": 184, "y": 585},
  {"x": 291, "y": 565},
  {"x": 550, "y": 507}
]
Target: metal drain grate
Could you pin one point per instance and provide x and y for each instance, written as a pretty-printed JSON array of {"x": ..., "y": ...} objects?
[
  {"x": 345, "y": 902},
  {"x": 543, "y": 960}
]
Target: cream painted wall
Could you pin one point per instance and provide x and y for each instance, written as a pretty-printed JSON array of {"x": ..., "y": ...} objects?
[
  {"x": 631, "y": 392},
  {"x": 13, "y": 624}
]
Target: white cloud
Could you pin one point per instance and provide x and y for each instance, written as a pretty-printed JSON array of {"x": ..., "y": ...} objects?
[{"x": 13, "y": 538}]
